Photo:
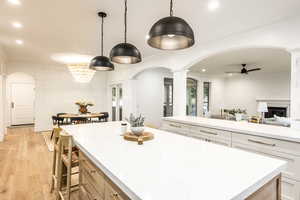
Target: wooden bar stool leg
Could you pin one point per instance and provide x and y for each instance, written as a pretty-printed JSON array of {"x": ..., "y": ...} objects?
[{"x": 69, "y": 169}]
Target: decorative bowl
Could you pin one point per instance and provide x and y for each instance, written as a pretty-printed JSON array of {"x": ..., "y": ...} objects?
[{"x": 137, "y": 130}]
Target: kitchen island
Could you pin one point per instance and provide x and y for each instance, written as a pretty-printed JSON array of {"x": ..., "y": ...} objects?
[
  {"x": 169, "y": 167},
  {"x": 273, "y": 141}
]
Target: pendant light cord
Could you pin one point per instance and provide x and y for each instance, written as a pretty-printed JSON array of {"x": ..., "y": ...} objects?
[
  {"x": 102, "y": 36},
  {"x": 171, "y": 8},
  {"x": 125, "y": 22}
]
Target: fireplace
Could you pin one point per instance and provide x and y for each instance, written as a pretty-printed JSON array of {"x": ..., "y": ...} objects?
[{"x": 278, "y": 111}]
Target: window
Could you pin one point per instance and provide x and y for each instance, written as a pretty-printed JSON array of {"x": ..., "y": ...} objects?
[
  {"x": 191, "y": 97},
  {"x": 206, "y": 93},
  {"x": 168, "y": 97}
]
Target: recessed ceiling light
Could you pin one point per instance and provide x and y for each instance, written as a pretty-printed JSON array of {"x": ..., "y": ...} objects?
[
  {"x": 14, "y": 2},
  {"x": 213, "y": 5},
  {"x": 20, "y": 42},
  {"x": 203, "y": 70},
  {"x": 17, "y": 25}
]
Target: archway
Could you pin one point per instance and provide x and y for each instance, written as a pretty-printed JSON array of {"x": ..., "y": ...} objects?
[
  {"x": 153, "y": 93},
  {"x": 230, "y": 89}
]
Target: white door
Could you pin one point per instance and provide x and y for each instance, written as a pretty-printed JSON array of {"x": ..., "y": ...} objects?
[{"x": 22, "y": 103}]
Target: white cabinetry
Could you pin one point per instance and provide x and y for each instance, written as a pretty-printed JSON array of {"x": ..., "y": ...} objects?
[
  {"x": 211, "y": 135},
  {"x": 284, "y": 150},
  {"x": 279, "y": 149},
  {"x": 175, "y": 128}
]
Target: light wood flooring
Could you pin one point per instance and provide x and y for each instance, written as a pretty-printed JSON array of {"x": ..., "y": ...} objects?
[{"x": 25, "y": 166}]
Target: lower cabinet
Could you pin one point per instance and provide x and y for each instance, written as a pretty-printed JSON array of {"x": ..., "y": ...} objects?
[
  {"x": 284, "y": 150},
  {"x": 290, "y": 186},
  {"x": 94, "y": 184},
  {"x": 290, "y": 189}
]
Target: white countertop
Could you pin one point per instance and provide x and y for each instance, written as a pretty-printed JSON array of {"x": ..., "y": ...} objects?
[
  {"x": 277, "y": 132},
  {"x": 173, "y": 166}
]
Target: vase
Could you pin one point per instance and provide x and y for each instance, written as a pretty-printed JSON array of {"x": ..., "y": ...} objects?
[
  {"x": 138, "y": 131},
  {"x": 83, "y": 110}
]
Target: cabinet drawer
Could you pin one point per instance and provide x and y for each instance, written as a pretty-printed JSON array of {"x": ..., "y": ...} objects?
[
  {"x": 89, "y": 187},
  {"x": 269, "y": 143},
  {"x": 175, "y": 127},
  {"x": 96, "y": 177},
  {"x": 211, "y": 132},
  {"x": 211, "y": 135},
  {"x": 255, "y": 145},
  {"x": 83, "y": 195},
  {"x": 112, "y": 192},
  {"x": 290, "y": 189}
]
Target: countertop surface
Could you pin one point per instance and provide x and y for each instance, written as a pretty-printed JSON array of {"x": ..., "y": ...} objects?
[
  {"x": 277, "y": 132},
  {"x": 173, "y": 166}
]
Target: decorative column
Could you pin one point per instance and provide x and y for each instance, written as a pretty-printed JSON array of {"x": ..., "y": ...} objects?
[
  {"x": 129, "y": 98},
  {"x": 179, "y": 92},
  {"x": 295, "y": 88}
]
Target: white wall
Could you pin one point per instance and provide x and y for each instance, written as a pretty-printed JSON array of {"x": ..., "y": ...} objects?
[
  {"x": 243, "y": 91},
  {"x": 150, "y": 94},
  {"x": 56, "y": 91},
  {"x": 2, "y": 93}
]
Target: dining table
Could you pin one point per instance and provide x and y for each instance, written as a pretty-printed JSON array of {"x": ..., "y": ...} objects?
[{"x": 82, "y": 116}]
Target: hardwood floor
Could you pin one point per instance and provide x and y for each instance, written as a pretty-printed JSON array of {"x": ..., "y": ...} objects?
[{"x": 25, "y": 166}]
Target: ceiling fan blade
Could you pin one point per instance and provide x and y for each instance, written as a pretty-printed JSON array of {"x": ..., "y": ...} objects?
[{"x": 252, "y": 70}]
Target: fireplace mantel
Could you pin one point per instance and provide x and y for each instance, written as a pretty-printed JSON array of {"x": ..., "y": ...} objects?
[{"x": 277, "y": 102}]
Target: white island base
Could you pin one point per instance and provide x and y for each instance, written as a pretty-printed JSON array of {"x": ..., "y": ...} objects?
[{"x": 170, "y": 167}]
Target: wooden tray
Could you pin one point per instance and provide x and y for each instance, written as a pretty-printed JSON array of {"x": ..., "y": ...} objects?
[{"x": 140, "y": 139}]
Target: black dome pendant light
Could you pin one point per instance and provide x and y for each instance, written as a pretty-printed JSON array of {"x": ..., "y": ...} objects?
[
  {"x": 125, "y": 53},
  {"x": 171, "y": 33},
  {"x": 101, "y": 63}
]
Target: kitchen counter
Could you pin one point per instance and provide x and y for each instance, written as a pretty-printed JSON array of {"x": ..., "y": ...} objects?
[
  {"x": 276, "y": 132},
  {"x": 173, "y": 166}
]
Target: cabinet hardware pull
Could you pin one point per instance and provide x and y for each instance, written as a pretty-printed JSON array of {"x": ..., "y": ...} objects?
[
  {"x": 115, "y": 196},
  {"x": 263, "y": 143},
  {"x": 92, "y": 171},
  {"x": 176, "y": 126},
  {"x": 208, "y": 132}
]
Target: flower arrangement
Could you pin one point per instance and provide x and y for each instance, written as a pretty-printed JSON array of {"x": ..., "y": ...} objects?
[
  {"x": 235, "y": 111},
  {"x": 83, "y": 106}
]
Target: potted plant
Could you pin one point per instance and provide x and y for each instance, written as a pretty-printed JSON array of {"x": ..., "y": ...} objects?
[
  {"x": 235, "y": 113},
  {"x": 239, "y": 114},
  {"x": 83, "y": 106},
  {"x": 136, "y": 124}
]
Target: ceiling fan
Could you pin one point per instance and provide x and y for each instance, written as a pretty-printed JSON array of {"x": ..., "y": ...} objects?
[{"x": 244, "y": 70}]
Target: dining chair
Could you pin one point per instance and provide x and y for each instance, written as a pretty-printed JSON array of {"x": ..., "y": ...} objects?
[
  {"x": 104, "y": 117},
  {"x": 64, "y": 120},
  {"x": 56, "y": 121}
]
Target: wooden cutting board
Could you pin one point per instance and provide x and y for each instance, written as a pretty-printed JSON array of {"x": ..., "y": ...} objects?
[{"x": 140, "y": 139}]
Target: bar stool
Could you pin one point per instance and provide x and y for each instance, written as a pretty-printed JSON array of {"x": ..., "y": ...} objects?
[
  {"x": 68, "y": 161},
  {"x": 61, "y": 173},
  {"x": 56, "y": 157}
]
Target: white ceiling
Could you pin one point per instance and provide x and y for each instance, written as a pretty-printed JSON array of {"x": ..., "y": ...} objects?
[
  {"x": 269, "y": 60},
  {"x": 72, "y": 26}
]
